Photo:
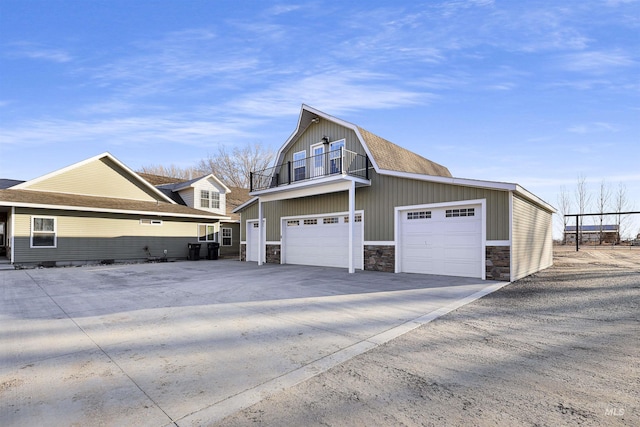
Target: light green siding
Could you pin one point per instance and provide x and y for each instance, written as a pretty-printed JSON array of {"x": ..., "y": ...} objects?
[
  {"x": 314, "y": 133},
  {"x": 92, "y": 237},
  {"x": 101, "y": 178},
  {"x": 532, "y": 239},
  {"x": 378, "y": 202}
]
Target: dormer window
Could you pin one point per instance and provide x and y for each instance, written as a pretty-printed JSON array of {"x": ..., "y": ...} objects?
[
  {"x": 215, "y": 200},
  {"x": 204, "y": 199}
]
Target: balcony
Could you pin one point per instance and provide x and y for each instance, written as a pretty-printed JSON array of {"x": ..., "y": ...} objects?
[{"x": 337, "y": 163}]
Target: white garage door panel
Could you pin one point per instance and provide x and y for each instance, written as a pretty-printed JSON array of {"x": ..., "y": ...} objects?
[
  {"x": 440, "y": 245},
  {"x": 321, "y": 244}
]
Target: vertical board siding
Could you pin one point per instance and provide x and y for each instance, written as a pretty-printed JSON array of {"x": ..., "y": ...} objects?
[
  {"x": 532, "y": 239},
  {"x": 90, "y": 236},
  {"x": 314, "y": 133},
  {"x": 101, "y": 178},
  {"x": 378, "y": 202}
]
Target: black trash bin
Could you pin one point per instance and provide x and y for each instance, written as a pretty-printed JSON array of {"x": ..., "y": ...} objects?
[
  {"x": 194, "y": 251},
  {"x": 212, "y": 250}
]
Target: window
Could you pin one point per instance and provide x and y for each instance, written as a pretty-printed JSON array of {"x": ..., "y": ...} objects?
[
  {"x": 293, "y": 223},
  {"x": 43, "y": 232},
  {"x": 335, "y": 154},
  {"x": 204, "y": 198},
  {"x": 299, "y": 169},
  {"x": 419, "y": 215},
  {"x": 357, "y": 217},
  {"x": 207, "y": 233},
  {"x": 330, "y": 220},
  {"x": 310, "y": 221},
  {"x": 226, "y": 236},
  {"x": 452, "y": 213},
  {"x": 147, "y": 221},
  {"x": 215, "y": 200}
]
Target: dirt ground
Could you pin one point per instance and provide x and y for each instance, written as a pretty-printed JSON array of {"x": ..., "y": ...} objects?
[{"x": 561, "y": 347}]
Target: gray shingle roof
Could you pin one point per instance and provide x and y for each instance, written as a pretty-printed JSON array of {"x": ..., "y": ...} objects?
[
  {"x": 91, "y": 203},
  {"x": 390, "y": 156}
]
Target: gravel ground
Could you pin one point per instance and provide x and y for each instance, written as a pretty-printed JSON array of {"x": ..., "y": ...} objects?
[{"x": 560, "y": 347}]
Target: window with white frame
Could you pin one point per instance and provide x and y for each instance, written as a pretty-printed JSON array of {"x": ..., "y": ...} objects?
[
  {"x": 204, "y": 198},
  {"x": 207, "y": 233},
  {"x": 299, "y": 166},
  {"x": 215, "y": 200},
  {"x": 454, "y": 213},
  {"x": 43, "y": 232},
  {"x": 419, "y": 215},
  {"x": 227, "y": 233}
]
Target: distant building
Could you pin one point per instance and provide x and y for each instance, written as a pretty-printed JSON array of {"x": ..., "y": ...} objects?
[{"x": 591, "y": 233}]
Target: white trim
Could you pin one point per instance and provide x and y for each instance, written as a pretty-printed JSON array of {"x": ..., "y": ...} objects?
[
  {"x": 319, "y": 186},
  {"x": 380, "y": 242},
  {"x": 25, "y": 185},
  {"x": 192, "y": 183},
  {"x": 273, "y": 242},
  {"x": 245, "y": 204},
  {"x": 511, "y": 270},
  {"x": 13, "y": 234},
  {"x": 498, "y": 243},
  {"x": 483, "y": 223},
  {"x": 105, "y": 210}
]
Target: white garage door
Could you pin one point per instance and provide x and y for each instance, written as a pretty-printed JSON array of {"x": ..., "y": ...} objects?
[
  {"x": 445, "y": 241},
  {"x": 253, "y": 241},
  {"x": 322, "y": 241}
]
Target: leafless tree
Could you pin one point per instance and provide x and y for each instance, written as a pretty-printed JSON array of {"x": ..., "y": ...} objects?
[
  {"x": 621, "y": 204},
  {"x": 233, "y": 167},
  {"x": 583, "y": 198},
  {"x": 171, "y": 171},
  {"x": 602, "y": 203},
  {"x": 564, "y": 204}
]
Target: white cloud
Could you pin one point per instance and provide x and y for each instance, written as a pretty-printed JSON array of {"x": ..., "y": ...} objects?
[
  {"x": 35, "y": 51},
  {"x": 596, "y": 62},
  {"x": 593, "y": 127}
]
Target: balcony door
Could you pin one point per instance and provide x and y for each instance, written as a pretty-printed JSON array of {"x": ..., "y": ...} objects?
[
  {"x": 317, "y": 154},
  {"x": 335, "y": 154}
]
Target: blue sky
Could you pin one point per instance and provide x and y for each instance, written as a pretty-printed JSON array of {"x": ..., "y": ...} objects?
[{"x": 535, "y": 92}]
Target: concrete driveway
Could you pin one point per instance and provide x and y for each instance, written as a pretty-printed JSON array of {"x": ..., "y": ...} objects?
[{"x": 189, "y": 343}]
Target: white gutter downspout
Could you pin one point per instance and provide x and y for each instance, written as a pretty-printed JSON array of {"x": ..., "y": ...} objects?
[
  {"x": 260, "y": 249},
  {"x": 352, "y": 207}
]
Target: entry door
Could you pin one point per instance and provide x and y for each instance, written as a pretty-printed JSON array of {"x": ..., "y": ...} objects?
[
  {"x": 2, "y": 238},
  {"x": 317, "y": 152},
  {"x": 253, "y": 241}
]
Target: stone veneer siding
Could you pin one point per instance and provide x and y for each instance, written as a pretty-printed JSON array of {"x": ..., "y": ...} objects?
[
  {"x": 243, "y": 251},
  {"x": 273, "y": 254},
  {"x": 498, "y": 261},
  {"x": 380, "y": 258}
]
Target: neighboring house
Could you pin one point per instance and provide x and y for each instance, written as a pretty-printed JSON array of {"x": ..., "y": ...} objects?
[
  {"x": 591, "y": 233},
  {"x": 97, "y": 210},
  {"x": 208, "y": 193},
  {"x": 341, "y": 196}
]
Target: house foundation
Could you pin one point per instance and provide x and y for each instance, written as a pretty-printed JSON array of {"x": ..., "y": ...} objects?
[
  {"x": 498, "y": 263},
  {"x": 380, "y": 258}
]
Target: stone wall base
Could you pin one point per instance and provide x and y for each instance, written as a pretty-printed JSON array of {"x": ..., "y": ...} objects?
[
  {"x": 498, "y": 263},
  {"x": 243, "y": 251},
  {"x": 380, "y": 258},
  {"x": 273, "y": 254}
]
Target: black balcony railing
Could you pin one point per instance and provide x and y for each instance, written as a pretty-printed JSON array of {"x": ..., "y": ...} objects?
[{"x": 336, "y": 162}]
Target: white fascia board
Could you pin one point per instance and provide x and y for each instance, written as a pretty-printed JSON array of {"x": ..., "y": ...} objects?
[
  {"x": 245, "y": 204},
  {"x": 533, "y": 198},
  {"x": 329, "y": 184},
  {"x": 493, "y": 185},
  {"x": 192, "y": 183},
  {"x": 27, "y": 184},
  {"x": 106, "y": 210}
]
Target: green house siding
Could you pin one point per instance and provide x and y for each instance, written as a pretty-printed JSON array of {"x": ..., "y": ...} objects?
[
  {"x": 86, "y": 236},
  {"x": 532, "y": 242},
  {"x": 314, "y": 133},
  {"x": 378, "y": 202}
]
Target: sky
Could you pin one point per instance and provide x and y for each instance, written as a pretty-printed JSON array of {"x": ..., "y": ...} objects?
[{"x": 537, "y": 93}]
